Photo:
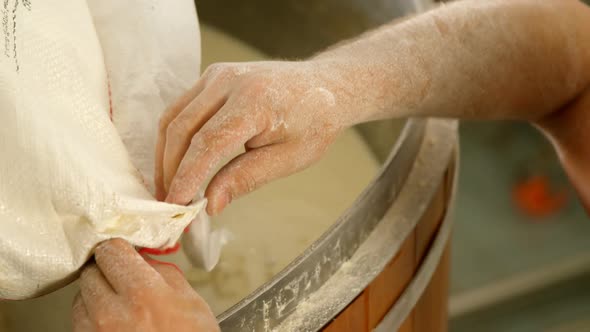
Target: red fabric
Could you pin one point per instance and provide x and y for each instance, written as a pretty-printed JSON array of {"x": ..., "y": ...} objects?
[{"x": 159, "y": 252}]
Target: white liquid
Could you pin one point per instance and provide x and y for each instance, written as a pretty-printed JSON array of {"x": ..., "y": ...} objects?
[{"x": 270, "y": 226}]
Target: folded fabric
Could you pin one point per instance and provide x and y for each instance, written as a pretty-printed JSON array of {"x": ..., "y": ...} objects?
[{"x": 82, "y": 85}]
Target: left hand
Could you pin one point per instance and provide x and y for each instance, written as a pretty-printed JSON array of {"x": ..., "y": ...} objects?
[
  {"x": 285, "y": 114},
  {"x": 123, "y": 292}
]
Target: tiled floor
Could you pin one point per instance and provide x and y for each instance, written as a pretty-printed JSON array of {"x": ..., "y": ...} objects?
[{"x": 494, "y": 244}]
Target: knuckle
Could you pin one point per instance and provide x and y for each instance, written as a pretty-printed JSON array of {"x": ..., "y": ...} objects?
[
  {"x": 142, "y": 297},
  {"x": 257, "y": 85},
  {"x": 217, "y": 69},
  {"x": 177, "y": 128},
  {"x": 204, "y": 139},
  {"x": 246, "y": 182},
  {"x": 196, "y": 105}
]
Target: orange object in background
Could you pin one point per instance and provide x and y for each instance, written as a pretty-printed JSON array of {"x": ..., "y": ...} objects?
[{"x": 535, "y": 197}]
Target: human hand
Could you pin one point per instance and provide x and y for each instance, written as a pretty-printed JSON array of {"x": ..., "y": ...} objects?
[
  {"x": 285, "y": 114},
  {"x": 123, "y": 292}
]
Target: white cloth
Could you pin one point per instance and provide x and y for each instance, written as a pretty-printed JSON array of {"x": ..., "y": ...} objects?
[{"x": 69, "y": 177}]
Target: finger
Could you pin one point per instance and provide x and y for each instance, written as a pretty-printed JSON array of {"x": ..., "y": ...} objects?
[
  {"x": 224, "y": 134},
  {"x": 80, "y": 320},
  {"x": 124, "y": 268},
  {"x": 95, "y": 290},
  {"x": 253, "y": 169},
  {"x": 175, "y": 279},
  {"x": 171, "y": 274},
  {"x": 182, "y": 129},
  {"x": 165, "y": 120}
]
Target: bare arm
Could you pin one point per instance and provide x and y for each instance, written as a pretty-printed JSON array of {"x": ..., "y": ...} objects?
[{"x": 493, "y": 59}]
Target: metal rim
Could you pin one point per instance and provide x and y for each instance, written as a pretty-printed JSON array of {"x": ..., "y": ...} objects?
[
  {"x": 386, "y": 239},
  {"x": 398, "y": 314},
  {"x": 270, "y": 304}
]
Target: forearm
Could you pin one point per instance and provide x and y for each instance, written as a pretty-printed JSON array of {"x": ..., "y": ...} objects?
[{"x": 494, "y": 59}]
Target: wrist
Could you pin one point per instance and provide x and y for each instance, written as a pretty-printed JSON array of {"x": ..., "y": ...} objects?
[{"x": 359, "y": 95}]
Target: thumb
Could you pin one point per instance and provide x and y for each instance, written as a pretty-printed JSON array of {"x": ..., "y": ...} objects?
[{"x": 253, "y": 169}]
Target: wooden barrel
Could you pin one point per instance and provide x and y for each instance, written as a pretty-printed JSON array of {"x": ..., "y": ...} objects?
[
  {"x": 398, "y": 279},
  {"x": 428, "y": 312}
]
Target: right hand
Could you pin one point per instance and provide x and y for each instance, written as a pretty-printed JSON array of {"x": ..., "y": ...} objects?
[
  {"x": 124, "y": 292},
  {"x": 285, "y": 114}
]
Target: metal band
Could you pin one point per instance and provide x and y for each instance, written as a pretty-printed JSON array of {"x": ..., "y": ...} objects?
[
  {"x": 381, "y": 246},
  {"x": 269, "y": 305},
  {"x": 407, "y": 301}
]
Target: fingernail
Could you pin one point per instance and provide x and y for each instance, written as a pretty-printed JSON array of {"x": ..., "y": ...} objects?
[
  {"x": 160, "y": 194},
  {"x": 210, "y": 211},
  {"x": 102, "y": 244},
  {"x": 218, "y": 203},
  {"x": 174, "y": 198},
  {"x": 169, "y": 198}
]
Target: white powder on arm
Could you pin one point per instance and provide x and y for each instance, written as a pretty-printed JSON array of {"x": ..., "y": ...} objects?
[{"x": 470, "y": 59}]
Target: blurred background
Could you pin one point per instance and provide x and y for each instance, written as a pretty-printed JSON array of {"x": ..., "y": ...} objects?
[
  {"x": 521, "y": 248},
  {"x": 521, "y": 245}
]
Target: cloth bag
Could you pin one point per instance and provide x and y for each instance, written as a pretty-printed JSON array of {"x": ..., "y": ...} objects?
[{"x": 82, "y": 85}]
